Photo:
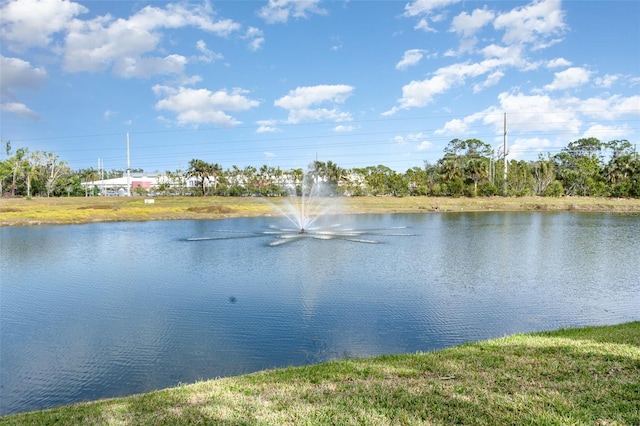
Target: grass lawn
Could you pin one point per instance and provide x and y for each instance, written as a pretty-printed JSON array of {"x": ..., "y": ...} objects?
[
  {"x": 587, "y": 376},
  {"x": 37, "y": 211}
]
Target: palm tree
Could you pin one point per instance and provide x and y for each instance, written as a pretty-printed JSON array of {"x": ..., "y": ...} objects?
[
  {"x": 201, "y": 170},
  {"x": 477, "y": 170}
]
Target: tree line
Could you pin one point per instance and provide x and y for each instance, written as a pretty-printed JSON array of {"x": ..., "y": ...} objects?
[{"x": 585, "y": 167}]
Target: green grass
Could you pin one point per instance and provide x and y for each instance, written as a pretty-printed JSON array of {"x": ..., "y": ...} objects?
[
  {"x": 64, "y": 210},
  {"x": 587, "y": 376}
]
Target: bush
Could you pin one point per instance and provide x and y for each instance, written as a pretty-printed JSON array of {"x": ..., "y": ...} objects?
[
  {"x": 554, "y": 189},
  {"x": 487, "y": 189},
  {"x": 455, "y": 188}
]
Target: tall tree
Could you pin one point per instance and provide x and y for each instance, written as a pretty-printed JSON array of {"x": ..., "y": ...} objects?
[
  {"x": 54, "y": 171},
  {"x": 543, "y": 172},
  {"x": 202, "y": 171}
]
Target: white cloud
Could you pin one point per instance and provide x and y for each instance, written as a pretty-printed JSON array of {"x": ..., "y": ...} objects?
[
  {"x": 255, "y": 38},
  {"x": 425, "y": 7},
  {"x": 108, "y": 114},
  {"x": 424, "y": 145},
  {"x": 19, "y": 109},
  {"x": 419, "y": 138},
  {"x": 147, "y": 67},
  {"x": 529, "y": 147},
  {"x": 453, "y": 127},
  {"x": 493, "y": 79},
  {"x": 266, "y": 126},
  {"x": 344, "y": 128},
  {"x": 606, "y": 133},
  {"x": 300, "y": 100},
  {"x": 317, "y": 114},
  {"x": 467, "y": 25},
  {"x": 410, "y": 58},
  {"x": 422, "y": 93},
  {"x": 207, "y": 56},
  {"x": 535, "y": 23},
  {"x": 611, "y": 108},
  {"x": 279, "y": 11},
  {"x": 510, "y": 54},
  {"x": 31, "y": 23},
  {"x": 423, "y": 24},
  {"x": 131, "y": 45},
  {"x": 607, "y": 81},
  {"x": 569, "y": 78},
  {"x": 536, "y": 113},
  {"x": 200, "y": 106},
  {"x": 558, "y": 63},
  {"x": 17, "y": 74},
  {"x": 563, "y": 117}
]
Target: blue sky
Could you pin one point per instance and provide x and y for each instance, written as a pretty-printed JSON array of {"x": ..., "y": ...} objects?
[{"x": 279, "y": 82}]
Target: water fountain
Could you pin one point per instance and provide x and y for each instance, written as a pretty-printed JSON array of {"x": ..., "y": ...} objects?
[{"x": 312, "y": 209}]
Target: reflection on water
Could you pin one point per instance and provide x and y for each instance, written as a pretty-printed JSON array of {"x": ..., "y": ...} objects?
[{"x": 102, "y": 310}]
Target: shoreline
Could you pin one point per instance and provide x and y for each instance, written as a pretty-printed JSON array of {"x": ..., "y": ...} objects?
[
  {"x": 78, "y": 210},
  {"x": 585, "y": 375}
]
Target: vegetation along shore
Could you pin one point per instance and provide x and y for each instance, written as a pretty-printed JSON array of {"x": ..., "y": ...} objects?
[
  {"x": 572, "y": 376},
  {"x": 68, "y": 210}
]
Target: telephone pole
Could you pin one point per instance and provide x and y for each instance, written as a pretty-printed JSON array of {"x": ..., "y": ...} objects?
[
  {"x": 504, "y": 149},
  {"x": 128, "y": 169}
]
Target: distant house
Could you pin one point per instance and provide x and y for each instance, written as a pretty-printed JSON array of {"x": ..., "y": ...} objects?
[{"x": 148, "y": 181}]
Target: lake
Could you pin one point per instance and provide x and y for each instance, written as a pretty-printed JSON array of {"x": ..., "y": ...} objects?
[{"x": 111, "y": 309}]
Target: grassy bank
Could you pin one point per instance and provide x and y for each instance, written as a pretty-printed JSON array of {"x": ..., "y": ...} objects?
[
  {"x": 36, "y": 211},
  {"x": 575, "y": 376}
]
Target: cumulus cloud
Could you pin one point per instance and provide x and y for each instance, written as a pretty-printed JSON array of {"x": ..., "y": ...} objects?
[
  {"x": 535, "y": 23},
  {"x": 467, "y": 25},
  {"x": 424, "y": 145},
  {"x": 255, "y": 38},
  {"x": 305, "y": 103},
  {"x": 344, "y": 128},
  {"x": 267, "y": 126},
  {"x": 606, "y": 133},
  {"x": 19, "y": 74},
  {"x": 19, "y": 109},
  {"x": 525, "y": 28},
  {"x": 207, "y": 55},
  {"x": 491, "y": 80},
  {"x": 202, "y": 106},
  {"x": 426, "y": 7},
  {"x": 566, "y": 117},
  {"x": 303, "y": 97},
  {"x": 130, "y": 46},
  {"x": 558, "y": 63},
  {"x": 410, "y": 58},
  {"x": 426, "y": 10},
  {"x": 32, "y": 23},
  {"x": 607, "y": 81},
  {"x": 421, "y": 93},
  {"x": 279, "y": 11},
  {"x": 16, "y": 75},
  {"x": 414, "y": 138},
  {"x": 521, "y": 147},
  {"x": 569, "y": 78}
]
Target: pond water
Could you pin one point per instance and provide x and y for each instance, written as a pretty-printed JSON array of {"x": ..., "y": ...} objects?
[{"x": 103, "y": 310}]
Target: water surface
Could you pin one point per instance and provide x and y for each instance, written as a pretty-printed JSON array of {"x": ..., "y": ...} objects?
[{"x": 102, "y": 310}]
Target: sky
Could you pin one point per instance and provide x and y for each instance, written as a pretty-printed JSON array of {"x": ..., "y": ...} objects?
[{"x": 284, "y": 82}]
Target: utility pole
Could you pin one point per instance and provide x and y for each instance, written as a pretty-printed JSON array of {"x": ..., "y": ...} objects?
[
  {"x": 99, "y": 174},
  {"x": 128, "y": 169},
  {"x": 504, "y": 149}
]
